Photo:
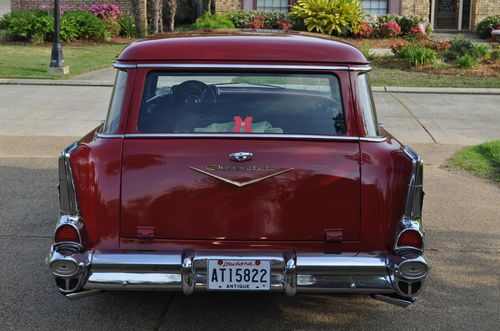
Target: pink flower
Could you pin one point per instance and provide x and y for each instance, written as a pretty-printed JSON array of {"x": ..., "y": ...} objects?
[{"x": 390, "y": 29}]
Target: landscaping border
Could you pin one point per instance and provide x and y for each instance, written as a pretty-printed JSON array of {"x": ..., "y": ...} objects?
[{"x": 388, "y": 89}]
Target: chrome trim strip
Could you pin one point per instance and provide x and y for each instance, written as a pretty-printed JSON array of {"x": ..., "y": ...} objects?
[
  {"x": 238, "y": 135},
  {"x": 246, "y": 66},
  {"x": 414, "y": 197},
  {"x": 68, "y": 202},
  {"x": 109, "y": 135},
  {"x": 118, "y": 65}
]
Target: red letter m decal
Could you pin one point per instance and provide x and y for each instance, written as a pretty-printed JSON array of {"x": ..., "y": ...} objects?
[{"x": 240, "y": 125}]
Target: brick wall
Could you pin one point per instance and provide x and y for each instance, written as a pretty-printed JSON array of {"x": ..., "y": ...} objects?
[
  {"x": 4, "y": 7},
  {"x": 123, "y": 5},
  {"x": 226, "y": 6},
  {"x": 417, "y": 7},
  {"x": 482, "y": 9}
]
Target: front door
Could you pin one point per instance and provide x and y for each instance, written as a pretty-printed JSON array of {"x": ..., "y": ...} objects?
[{"x": 447, "y": 14}]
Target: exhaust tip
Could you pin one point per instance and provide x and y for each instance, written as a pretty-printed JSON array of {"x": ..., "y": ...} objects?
[
  {"x": 82, "y": 294},
  {"x": 394, "y": 299}
]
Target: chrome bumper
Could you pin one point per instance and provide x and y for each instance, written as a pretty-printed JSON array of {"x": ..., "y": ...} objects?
[{"x": 370, "y": 273}]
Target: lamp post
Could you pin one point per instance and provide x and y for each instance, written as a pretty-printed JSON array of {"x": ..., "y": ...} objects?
[{"x": 56, "y": 58}]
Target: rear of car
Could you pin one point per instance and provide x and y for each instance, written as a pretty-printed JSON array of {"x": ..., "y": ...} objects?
[{"x": 222, "y": 174}]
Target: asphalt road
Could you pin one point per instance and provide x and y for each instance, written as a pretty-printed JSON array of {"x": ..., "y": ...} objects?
[{"x": 460, "y": 216}]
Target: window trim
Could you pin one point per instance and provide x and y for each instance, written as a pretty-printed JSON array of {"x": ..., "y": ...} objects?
[
  {"x": 373, "y": 106},
  {"x": 343, "y": 103}
]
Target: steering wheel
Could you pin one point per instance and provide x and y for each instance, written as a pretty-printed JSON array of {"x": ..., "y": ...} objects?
[{"x": 193, "y": 92}]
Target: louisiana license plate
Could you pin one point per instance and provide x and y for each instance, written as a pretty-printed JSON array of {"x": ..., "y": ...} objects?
[{"x": 239, "y": 275}]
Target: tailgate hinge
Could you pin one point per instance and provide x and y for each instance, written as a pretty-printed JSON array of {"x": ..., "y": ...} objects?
[
  {"x": 334, "y": 235},
  {"x": 145, "y": 232}
]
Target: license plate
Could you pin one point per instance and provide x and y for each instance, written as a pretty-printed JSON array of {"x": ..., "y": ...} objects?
[{"x": 239, "y": 275}]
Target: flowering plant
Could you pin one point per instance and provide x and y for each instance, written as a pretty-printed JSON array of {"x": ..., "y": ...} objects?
[
  {"x": 258, "y": 23},
  {"x": 417, "y": 32},
  {"x": 366, "y": 30},
  {"x": 390, "y": 29},
  {"x": 439, "y": 46},
  {"x": 105, "y": 11}
]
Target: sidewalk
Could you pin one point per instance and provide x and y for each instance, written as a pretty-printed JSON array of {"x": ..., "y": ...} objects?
[
  {"x": 445, "y": 118},
  {"x": 105, "y": 78}
]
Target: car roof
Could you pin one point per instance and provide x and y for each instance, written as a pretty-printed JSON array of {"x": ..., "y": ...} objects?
[{"x": 240, "y": 46}]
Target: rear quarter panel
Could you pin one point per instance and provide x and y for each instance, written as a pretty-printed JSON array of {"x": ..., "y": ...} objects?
[
  {"x": 96, "y": 166},
  {"x": 385, "y": 173}
]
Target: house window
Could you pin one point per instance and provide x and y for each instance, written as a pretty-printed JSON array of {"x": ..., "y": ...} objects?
[
  {"x": 273, "y": 5},
  {"x": 375, "y": 7}
]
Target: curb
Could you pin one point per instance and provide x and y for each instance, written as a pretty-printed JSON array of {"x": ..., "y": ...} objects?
[
  {"x": 387, "y": 89},
  {"x": 437, "y": 90},
  {"x": 53, "y": 82}
]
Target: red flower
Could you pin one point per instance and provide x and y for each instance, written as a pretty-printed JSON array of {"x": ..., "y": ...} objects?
[{"x": 390, "y": 29}]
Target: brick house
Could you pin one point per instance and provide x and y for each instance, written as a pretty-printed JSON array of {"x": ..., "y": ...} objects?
[
  {"x": 443, "y": 14},
  {"x": 15, "y": 5}
]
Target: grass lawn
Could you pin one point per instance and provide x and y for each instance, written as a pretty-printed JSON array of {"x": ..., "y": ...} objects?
[
  {"x": 396, "y": 77},
  {"x": 482, "y": 160},
  {"x": 17, "y": 61}
]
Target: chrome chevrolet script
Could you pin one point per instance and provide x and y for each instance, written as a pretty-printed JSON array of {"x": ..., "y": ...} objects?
[{"x": 234, "y": 168}]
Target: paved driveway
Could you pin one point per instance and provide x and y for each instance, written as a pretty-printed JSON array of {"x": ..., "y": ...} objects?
[
  {"x": 460, "y": 215},
  {"x": 414, "y": 118}
]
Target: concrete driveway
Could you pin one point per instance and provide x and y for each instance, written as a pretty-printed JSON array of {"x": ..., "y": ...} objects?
[{"x": 460, "y": 216}]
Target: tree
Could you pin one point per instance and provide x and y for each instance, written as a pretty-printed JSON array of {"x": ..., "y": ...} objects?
[
  {"x": 136, "y": 12},
  {"x": 156, "y": 15},
  {"x": 172, "y": 9}
]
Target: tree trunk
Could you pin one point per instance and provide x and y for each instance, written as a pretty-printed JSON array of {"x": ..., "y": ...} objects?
[
  {"x": 209, "y": 6},
  {"x": 156, "y": 9},
  {"x": 139, "y": 24},
  {"x": 172, "y": 8}
]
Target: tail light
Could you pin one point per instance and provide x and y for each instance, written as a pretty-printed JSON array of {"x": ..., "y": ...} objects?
[
  {"x": 69, "y": 235},
  {"x": 410, "y": 238}
]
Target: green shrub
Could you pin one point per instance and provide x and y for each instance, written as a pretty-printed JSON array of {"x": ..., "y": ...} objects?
[
  {"x": 466, "y": 61},
  {"x": 28, "y": 25},
  {"x": 261, "y": 19},
  {"x": 461, "y": 46},
  {"x": 485, "y": 26},
  {"x": 82, "y": 25},
  {"x": 127, "y": 26},
  {"x": 415, "y": 54},
  {"x": 329, "y": 16},
  {"x": 495, "y": 55},
  {"x": 112, "y": 26},
  {"x": 5, "y": 35},
  {"x": 369, "y": 54},
  {"x": 42, "y": 29},
  {"x": 209, "y": 21}
]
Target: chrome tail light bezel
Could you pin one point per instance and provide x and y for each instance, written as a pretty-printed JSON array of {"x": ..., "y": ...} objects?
[
  {"x": 68, "y": 202},
  {"x": 412, "y": 215}
]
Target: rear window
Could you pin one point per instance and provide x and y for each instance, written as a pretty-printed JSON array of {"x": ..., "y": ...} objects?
[{"x": 242, "y": 103}]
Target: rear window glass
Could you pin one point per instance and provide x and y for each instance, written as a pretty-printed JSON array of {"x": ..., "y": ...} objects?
[{"x": 242, "y": 103}]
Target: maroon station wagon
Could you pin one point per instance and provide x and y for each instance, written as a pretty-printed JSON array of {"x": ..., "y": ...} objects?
[{"x": 242, "y": 162}]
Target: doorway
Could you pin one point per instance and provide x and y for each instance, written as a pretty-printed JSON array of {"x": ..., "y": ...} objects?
[{"x": 451, "y": 14}]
